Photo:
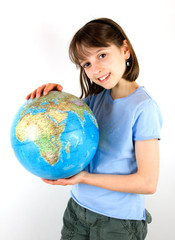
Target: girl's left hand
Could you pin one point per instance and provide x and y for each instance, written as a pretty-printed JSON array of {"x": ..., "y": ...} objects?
[{"x": 78, "y": 178}]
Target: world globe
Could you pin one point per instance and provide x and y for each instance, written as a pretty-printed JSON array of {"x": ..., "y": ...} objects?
[{"x": 55, "y": 136}]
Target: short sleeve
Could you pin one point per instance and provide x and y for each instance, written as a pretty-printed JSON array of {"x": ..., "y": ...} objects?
[{"x": 148, "y": 122}]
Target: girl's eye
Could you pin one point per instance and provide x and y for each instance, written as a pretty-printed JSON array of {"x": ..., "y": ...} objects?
[
  {"x": 86, "y": 65},
  {"x": 102, "y": 55}
]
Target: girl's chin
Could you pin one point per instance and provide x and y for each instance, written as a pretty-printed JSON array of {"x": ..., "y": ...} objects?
[{"x": 105, "y": 86}]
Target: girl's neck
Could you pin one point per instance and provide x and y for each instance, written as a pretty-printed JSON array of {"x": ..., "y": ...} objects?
[{"x": 123, "y": 89}]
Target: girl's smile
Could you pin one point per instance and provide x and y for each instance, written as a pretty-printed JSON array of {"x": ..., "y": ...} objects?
[{"x": 104, "y": 78}]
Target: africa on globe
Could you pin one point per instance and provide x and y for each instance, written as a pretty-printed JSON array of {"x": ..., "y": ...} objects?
[{"x": 55, "y": 136}]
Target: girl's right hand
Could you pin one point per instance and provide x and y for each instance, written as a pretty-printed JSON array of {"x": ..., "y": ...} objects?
[{"x": 44, "y": 89}]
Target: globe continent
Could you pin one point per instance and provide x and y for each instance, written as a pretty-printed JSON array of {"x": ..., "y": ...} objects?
[{"x": 55, "y": 136}]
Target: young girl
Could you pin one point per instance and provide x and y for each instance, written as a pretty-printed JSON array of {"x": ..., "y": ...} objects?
[{"x": 108, "y": 196}]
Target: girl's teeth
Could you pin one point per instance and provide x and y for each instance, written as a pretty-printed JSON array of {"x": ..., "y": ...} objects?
[{"x": 103, "y": 78}]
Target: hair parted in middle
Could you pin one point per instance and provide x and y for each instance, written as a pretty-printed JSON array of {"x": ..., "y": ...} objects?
[{"x": 101, "y": 32}]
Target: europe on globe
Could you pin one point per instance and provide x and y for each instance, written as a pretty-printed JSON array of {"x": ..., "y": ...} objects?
[{"x": 55, "y": 136}]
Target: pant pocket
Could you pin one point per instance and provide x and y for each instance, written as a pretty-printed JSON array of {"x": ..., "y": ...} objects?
[
  {"x": 137, "y": 229},
  {"x": 148, "y": 216}
]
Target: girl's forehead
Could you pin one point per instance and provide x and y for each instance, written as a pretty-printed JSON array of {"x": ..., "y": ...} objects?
[{"x": 85, "y": 51}]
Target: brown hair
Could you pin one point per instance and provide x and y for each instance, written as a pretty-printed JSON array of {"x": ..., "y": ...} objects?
[{"x": 100, "y": 32}]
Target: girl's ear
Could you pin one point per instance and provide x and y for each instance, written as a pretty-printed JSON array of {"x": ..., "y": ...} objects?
[{"x": 126, "y": 50}]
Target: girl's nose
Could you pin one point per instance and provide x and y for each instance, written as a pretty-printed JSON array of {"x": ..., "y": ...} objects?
[{"x": 96, "y": 68}]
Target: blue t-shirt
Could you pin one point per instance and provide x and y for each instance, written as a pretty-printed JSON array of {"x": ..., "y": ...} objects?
[{"x": 121, "y": 122}]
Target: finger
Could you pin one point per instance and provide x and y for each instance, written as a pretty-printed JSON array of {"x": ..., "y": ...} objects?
[
  {"x": 28, "y": 96},
  {"x": 52, "y": 86},
  {"x": 33, "y": 94},
  {"x": 55, "y": 182},
  {"x": 48, "y": 181},
  {"x": 48, "y": 88},
  {"x": 40, "y": 90},
  {"x": 59, "y": 87}
]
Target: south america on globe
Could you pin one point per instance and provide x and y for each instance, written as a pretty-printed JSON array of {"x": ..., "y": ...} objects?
[{"x": 55, "y": 136}]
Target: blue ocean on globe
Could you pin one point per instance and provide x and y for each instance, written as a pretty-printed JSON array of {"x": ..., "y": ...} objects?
[{"x": 55, "y": 136}]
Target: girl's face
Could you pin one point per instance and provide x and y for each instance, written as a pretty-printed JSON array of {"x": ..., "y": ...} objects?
[{"x": 105, "y": 65}]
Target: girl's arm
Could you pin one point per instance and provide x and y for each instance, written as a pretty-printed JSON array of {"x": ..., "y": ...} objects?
[{"x": 144, "y": 181}]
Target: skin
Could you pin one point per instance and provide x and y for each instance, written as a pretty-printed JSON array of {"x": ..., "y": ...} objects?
[
  {"x": 110, "y": 62},
  {"x": 44, "y": 89}
]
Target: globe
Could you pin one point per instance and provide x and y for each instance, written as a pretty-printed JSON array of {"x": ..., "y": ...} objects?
[{"x": 55, "y": 136}]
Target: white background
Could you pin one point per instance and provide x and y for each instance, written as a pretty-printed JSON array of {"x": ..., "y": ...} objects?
[{"x": 34, "y": 40}]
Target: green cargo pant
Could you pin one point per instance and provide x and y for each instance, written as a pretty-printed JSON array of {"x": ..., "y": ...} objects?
[{"x": 82, "y": 224}]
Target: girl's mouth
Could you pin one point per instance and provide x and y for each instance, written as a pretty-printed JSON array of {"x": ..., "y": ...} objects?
[{"x": 104, "y": 78}]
